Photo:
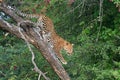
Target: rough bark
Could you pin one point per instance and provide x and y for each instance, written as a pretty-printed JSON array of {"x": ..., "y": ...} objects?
[{"x": 47, "y": 52}]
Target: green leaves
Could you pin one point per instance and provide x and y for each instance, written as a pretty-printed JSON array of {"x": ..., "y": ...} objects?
[{"x": 91, "y": 60}]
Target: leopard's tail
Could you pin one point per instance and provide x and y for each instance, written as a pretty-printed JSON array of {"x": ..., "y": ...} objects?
[{"x": 24, "y": 14}]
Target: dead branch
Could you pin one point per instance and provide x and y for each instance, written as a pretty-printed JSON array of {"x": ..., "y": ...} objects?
[{"x": 33, "y": 58}]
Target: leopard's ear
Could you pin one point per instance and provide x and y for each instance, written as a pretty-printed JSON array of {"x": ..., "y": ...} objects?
[{"x": 72, "y": 44}]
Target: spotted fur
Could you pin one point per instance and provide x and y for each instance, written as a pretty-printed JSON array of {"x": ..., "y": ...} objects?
[{"x": 58, "y": 42}]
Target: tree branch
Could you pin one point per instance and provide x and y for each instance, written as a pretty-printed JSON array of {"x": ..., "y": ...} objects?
[{"x": 32, "y": 37}]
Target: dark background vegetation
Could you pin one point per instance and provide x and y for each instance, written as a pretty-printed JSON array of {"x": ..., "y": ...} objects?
[{"x": 96, "y": 42}]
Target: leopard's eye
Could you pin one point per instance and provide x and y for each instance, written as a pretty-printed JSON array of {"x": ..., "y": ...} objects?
[{"x": 66, "y": 43}]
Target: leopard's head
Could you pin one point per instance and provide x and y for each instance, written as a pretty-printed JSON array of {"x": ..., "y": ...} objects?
[{"x": 68, "y": 47}]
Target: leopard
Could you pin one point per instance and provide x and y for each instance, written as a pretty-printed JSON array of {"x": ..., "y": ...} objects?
[{"x": 58, "y": 42}]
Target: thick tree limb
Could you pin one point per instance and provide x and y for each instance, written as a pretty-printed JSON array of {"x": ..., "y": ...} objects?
[{"x": 32, "y": 37}]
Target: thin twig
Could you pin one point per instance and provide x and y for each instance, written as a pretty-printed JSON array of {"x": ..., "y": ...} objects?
[
  {"x": 2, "y": 73},
  {"x": 33, "y": 57},
  {"x": 82, "y": 3},
  {"x": 100, "y": 19}
]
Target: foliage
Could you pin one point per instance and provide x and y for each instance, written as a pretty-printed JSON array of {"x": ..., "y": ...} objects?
[{"x": 96, "y": 51}]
